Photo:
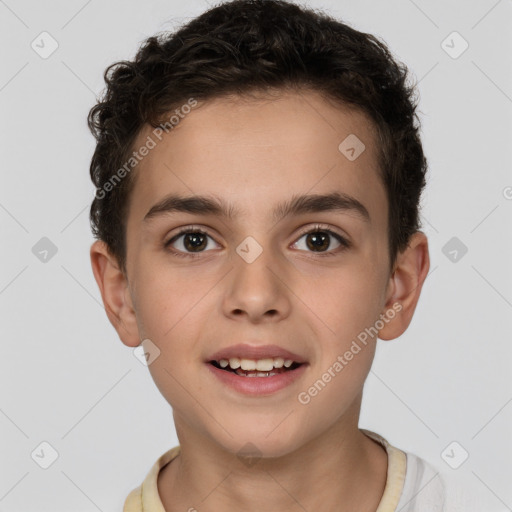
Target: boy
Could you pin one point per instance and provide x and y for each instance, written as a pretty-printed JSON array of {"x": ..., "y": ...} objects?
[{"x": 258, "y": 178}]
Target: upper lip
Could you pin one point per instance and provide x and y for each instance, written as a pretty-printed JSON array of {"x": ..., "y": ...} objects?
[{"x": 256, "y": 352}]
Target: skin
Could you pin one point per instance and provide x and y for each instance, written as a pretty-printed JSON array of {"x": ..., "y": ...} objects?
[{"x": 256, "y": 153}]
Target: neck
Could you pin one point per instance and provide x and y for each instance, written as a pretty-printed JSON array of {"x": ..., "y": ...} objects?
[{"x": 342, "y": 470}]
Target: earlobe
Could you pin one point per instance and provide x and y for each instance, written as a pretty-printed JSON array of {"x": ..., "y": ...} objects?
[
  {"x": 114, "y": 293},
  {"x": 405, "y": 286}
]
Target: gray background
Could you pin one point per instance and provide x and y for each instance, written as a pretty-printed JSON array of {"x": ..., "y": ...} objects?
[{"x": 66, "y": 379}]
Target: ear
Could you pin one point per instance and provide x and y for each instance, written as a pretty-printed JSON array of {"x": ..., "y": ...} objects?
[
  {"x": 115, "y": 293},
  {"x": 405, "y": 285}
]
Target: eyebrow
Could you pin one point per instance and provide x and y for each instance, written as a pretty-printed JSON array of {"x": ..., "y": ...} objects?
[{"x": 297, "y": 205}]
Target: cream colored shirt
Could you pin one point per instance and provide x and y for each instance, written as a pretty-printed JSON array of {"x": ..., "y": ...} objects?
[{"x": 412, "y": 485}]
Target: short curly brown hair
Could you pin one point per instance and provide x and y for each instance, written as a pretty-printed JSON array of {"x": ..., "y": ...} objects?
[{"x": 257, "y": 45}]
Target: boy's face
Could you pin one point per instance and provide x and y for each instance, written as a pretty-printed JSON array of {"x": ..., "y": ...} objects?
[{"x": 307, "y": 294}]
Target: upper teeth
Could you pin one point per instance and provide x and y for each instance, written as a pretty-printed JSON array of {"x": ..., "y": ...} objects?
[{"x": 262, "y": 365}]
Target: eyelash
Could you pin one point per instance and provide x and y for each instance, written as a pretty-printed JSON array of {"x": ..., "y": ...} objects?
[{"x": 345, "y": 244}]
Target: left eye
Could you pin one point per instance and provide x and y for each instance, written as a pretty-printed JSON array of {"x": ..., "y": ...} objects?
[{"x": 319, "y": 240}]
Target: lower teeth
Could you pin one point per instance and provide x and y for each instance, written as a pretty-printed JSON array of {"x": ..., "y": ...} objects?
[
  {"x": 256, "y": 373},
  {"x": 241, "y": 373}
]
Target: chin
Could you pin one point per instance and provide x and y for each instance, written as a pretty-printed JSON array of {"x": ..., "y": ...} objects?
[{"x": 259, "y": 442}]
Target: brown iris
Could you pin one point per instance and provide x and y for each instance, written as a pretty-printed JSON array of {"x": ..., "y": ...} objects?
[{"x": 318, "y": 240}]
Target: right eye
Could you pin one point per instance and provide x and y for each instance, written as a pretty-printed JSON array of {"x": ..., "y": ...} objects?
[{"x": 189, "y": 242}]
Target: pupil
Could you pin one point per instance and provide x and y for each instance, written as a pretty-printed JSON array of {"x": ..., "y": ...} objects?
[
  {"x": 317, "y": 240},
  {"x": 194, "y": 241}
]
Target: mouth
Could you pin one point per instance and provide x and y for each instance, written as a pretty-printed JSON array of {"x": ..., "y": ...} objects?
[
  {"x": 268, "y": 367},
  {"x": 256, "y": 370}
]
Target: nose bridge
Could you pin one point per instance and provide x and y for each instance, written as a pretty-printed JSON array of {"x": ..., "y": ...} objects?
[{"x": 256, "y": 287}]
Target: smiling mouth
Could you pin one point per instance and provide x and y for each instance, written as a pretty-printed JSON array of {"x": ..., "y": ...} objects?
[{"x": 233, "y": 366}]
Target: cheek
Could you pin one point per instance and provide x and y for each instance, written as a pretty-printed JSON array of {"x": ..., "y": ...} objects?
[
  {"x": 349, "y": 303},
  {"x": 345, "y": 302},
  {"x": 166, "y": 300},
  {"x": 336, "y": 383},
  {"x": 172, "y": 308}
]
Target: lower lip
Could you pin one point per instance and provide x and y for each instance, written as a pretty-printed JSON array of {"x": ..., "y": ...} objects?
[{"x": 257, "y": 385}]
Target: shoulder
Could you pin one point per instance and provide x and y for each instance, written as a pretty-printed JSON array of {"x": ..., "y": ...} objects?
[
  {"x": 146, "y": 496},
  {"x": 424, "y": 487},
  {"x": 133, "y": 502},
  {"x": 415, "y": 485},
  {"x": 463, "y": 496},
  {"x": 428, "y": 488}
]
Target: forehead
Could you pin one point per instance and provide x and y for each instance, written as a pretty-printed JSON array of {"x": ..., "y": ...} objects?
[{"x": 256, "y": 153}]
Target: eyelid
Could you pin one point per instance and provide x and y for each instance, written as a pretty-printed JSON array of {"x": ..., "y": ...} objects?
[
  {"x": 188, "y": 229},
  {"x": 323, "y": 227}
]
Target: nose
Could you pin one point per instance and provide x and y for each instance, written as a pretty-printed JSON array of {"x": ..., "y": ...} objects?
[{"x": 257, "y": 291}]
